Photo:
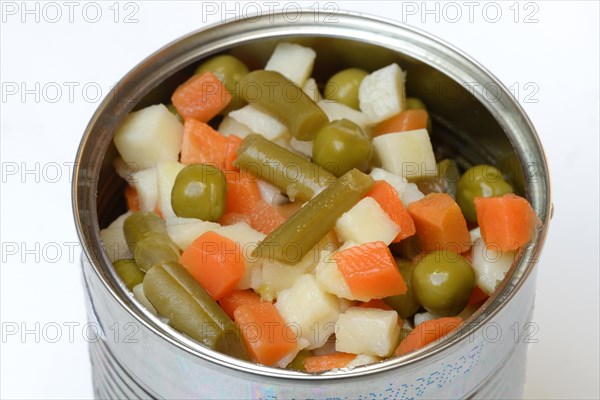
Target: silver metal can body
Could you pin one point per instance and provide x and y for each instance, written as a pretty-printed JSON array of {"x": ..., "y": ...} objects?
[{"x": 138, "y": 356}]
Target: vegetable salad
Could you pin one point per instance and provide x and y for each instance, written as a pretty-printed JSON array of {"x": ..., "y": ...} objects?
[{"x": 277, "y": 225}]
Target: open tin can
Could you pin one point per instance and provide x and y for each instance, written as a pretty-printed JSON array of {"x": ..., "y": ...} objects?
[{"x": 475, "y": 118}]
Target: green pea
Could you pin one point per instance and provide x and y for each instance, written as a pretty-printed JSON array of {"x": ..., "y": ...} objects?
[
  {"x": 343, "y": 86},
  {"x": 342, "y": 145},
  {"x": 479, "y": 181},
  {"x": 445, "y": 181},
  {"x": 229, "y": 70},
  {"x": 199, "y": 192},
  {"x": 297, "y": 363},
  {"x": 405, "y": 304},
  {"x": 442, "y": 282}
]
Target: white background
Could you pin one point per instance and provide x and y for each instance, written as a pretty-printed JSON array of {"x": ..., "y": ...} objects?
[{"x": 552, "y": 60}]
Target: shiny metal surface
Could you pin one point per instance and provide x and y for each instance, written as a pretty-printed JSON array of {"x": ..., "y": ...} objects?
[{"x": 160, "y": 362}]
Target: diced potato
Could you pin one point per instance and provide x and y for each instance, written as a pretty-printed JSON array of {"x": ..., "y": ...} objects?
[
  {"x": 408, "y": 154},
  {"x": 125, "y": 170},
  {"x": 230, "y": 126},
  {"x": 490, "y": 265},
  {"x": 368, "y": 331},
  {"x": 475, "y": 234},
  {"x": 279, "y": 276},
  {"x": 335, "y": 111},
  {"x": 311, "y": 88},
  {"x": 419, "y": 318},
  {"x": 309, "y": 309},
  {"x": 381, "y": 94},
  {"x": 183, "y": 231},
  {"x": 259, "y": 121},
  {"x": 114, "y": 239},
  {"x": 293, "y": 61},
  {"x": 138, "y": 293},
  {"x": 363, "y": 359},
  {"x": 148, "y": 136},
  {"x": 304, "y": 147},
  {"x": 408, "y": 192},
  {"x": 145, "y": 183},
  {"x": 366, "y": 222},
  {"x": 271, "y": 194},
  {"x": 166, "y": 173}
]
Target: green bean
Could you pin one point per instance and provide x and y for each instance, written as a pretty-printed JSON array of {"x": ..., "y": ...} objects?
[
  {"x": 280, "y": 96},
  {"x": 297, "y": 235},
  {"x": 177, "y": 296},
  {"x": 129, "y": 272},
  {"x": 296, "y": 176},
  {"x": 147, "y": 238}
]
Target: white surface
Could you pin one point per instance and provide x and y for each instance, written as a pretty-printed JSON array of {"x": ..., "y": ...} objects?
[{"x": 553, "y": 61}]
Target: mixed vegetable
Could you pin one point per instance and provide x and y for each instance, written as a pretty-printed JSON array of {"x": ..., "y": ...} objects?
[{"x": 309, "y": 233}]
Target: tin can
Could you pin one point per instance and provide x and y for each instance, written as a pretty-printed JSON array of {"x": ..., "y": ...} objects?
[{"x": 135, "y": 355}]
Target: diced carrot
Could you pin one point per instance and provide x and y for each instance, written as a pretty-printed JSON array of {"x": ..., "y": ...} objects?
[
  {"x": 440, "y": 224},
  {"x": 407, "y": 120},
  {"x": 376, "y": 303},
  {"x": 216, "y": 262},
  {"x": 370, "y": 270},
  {"x": 132, "y": 198},
  {"x": 327, "y": 362},
  {"x": 202, "y": 144},
  {"x": 201, "y": 97},
  {"x": 477, "y": 296},
  {"x": 233, "y": 143},
  {"x": 507, "y": 222},
  {"x": 242, "y": 193},
  {"x": 230, "y": 302},
  {"x": 265, "y": 218},
  {"x": 234, "y": 218},
  {"x": 427, "y": 332},
  {"x": 389, "y": 201},
  {"x": 267, "y": 336}
]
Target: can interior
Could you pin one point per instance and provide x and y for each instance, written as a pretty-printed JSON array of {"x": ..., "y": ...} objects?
[{"x": 468, "y": 126}]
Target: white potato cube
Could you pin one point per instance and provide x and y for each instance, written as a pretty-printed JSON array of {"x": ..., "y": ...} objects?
[
  {"x": 259, "y": 121},
  {"x": 366, "y": 222},
  {"x": 310, "y": 309},
  {"x": 271, "y": 194},
  {"x": 475, "y": 234},
  {"x": 335, "y": 111},
  {"x": 138, "y": 293},
  {"x": 408, "y": 154},
  {"x": 114, "y": 239},
  {"x": 183, "y": 231},
  {"x": 381, "y": 94},
  {"x": 148, "y": 136},
  {"x": 166, "y": 172},
  {"x": 279, "y": 276},
  {"x": 311, "y": 88},
  {"x": 125, "y": 170},
  {"x": 408, "y": 192},
  {"x": 303, "y": 147},
  {"x": 419, "y": 318},
  {"x": 490, "y": 265},
  {"x": 145, "y": 184},
  {"x": 368, "y": 331},
  {"x": 293, "y": 61},
  {"x": 362, "y": 359},
  {"x": 230, "y": 126}
]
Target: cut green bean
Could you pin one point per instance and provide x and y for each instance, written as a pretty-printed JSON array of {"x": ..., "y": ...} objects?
[
  {"x": 299, "y": 178},
  {"x": 282, "y": 97},
  {"x": 129, "y": 272},
  {"x": 148, "y": 240},
  {"x": 177, "y": 296},
  {"x": 296, "y": 236}
]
